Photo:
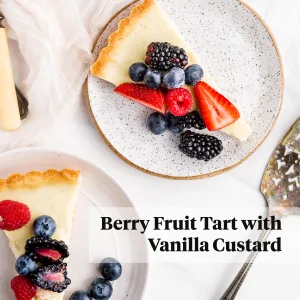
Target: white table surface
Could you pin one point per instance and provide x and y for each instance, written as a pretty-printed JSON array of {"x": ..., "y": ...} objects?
[{"x": 241, "y": 185}]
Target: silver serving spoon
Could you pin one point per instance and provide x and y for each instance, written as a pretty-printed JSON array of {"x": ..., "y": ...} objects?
[{"x": 281, "y": 188}]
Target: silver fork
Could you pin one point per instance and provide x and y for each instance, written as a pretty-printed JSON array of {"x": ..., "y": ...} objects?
[{"x": 23, "y": 104}]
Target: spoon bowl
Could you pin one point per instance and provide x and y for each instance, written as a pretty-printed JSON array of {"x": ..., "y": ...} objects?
[{"x": 281, "y": 188}]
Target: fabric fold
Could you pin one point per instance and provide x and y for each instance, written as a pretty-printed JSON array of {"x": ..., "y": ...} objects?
[{"x": 55, "y": 39}]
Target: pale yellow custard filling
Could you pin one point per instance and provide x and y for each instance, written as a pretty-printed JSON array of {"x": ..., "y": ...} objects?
[
  {"x": 149, "y": 23},
  {"x": 52, "y": 193}
]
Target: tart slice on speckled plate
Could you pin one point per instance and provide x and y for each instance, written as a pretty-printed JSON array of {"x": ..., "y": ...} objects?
[
  {"x": 28, "y": 202},
  {"x": 147, "y": 25}
]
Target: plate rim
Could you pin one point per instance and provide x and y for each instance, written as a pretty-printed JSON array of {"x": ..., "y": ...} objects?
[
  {"x": 200, "y": 176},
  {"x": 110, "y": 177}
]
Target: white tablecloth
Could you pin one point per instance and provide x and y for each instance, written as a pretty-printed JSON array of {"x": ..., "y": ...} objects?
[{"x": 241, "y": 185}]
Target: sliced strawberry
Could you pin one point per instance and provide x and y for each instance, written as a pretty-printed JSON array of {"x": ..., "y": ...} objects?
[
  {"x": 49, "y": 253},
  {"x": 217, "y": 111},
  {"x": 154, "y": 99}
]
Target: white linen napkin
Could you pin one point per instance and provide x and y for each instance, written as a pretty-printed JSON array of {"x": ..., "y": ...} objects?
[{"x": 55, "y": 38}]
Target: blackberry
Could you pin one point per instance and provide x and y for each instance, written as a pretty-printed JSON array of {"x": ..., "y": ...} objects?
[
  {"x": 190, "y": 120},
  {"x": 164, "y": 56},
  {"x": 52, "y": 278},
  {"x": 200, "y": 146},
  {"x": 46, "y": 250}
]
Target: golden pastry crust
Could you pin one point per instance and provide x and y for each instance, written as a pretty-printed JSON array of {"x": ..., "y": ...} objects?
[
  {"x": 125, "y": 27},
  {"x": 35, "y": 179}
]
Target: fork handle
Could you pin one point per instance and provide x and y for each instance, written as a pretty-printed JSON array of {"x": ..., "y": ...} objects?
[
  {"x": 234, "y": 287},
  {"x": 9, "y": 110}
]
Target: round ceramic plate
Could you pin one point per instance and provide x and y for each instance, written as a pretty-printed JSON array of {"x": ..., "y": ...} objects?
[
  {"x": 243, "y": 58},
  {"x": 97, "y": 190}
]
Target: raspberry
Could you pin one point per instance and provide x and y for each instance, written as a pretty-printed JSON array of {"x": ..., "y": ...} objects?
[
  {"x": 13, "y": 215},
  {"x": 179, "y": 101},
  {"x": 23, "y": 288}
]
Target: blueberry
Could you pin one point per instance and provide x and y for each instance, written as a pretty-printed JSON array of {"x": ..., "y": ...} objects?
[
  {"x": 44, "y": 226},
  {"x": 153, "y": 79},
  {"x": 137, "y": 71},
  {"x": 81, "y": 295},
  {"x": 24, "y": 265},
  {"x": 193, "y": 74},
  {"x": 101, "y": 289},
  {"x": 110, "y": 268},
  {"x": 173, "y": 123},
  {"x": 157, "y": 123},
  {"x": 174, "y": 78}
]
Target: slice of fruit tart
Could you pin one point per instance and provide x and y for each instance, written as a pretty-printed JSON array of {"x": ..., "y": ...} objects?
[
  {"x": 36, "y": 214},
  {"x": 149, "y": 62}
]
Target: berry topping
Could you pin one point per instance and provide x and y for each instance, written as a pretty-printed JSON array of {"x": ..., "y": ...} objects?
[
  {"x": 153, "y": 79},
  {"x": 110, "y": 268},
  {"x": 190, "y": 120},
  {"x": 154, "y": 99},
  {"x": 217, "y": 111},
  {"x": 13, "y": 215},
  {"x": 179, "y": 101},
  {"x": 81, "y": 295},
  {"x": 200, "y": 146},
  {"x": 157, "y": 123},
  {"x": 101, "y": 289},
  {"x": 175, "y": 78},
  {"x": 137, "y": 72},
  {"x": 178, "y": 124},
  {"x": 23, "y": 288},
  {"x": 53, "y": 254},
  {"x": 25, "y": 265},
  {"x": 53, "y": 278},
  {"x": 46, "y": 250},
  {"x": 193, "y": 74},
  {"x": 44, "y": 226},
  {"x": 173, "y": 123},
  {"x": 164, "y": 56}
]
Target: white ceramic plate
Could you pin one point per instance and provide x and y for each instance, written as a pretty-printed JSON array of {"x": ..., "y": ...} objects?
[
  {"x": 242, "y": 57},
  {"x": 97, "y": 190}
]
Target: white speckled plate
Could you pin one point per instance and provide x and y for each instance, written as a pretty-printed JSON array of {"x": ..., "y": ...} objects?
[{"x": 241, "y": 55}]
